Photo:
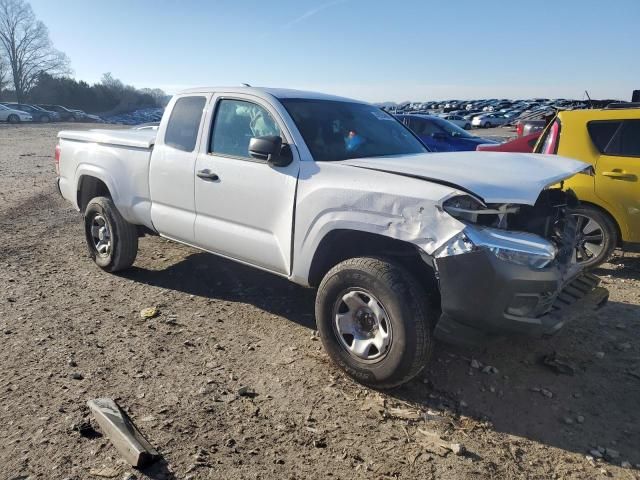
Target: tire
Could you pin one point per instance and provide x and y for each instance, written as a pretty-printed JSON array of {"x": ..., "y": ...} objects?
[
  {"x": 13, "y": 118},
  {"x": 405, "y": 315},
  {"x": 45, "y": 119},
  {"x": 467, "y": 126},
  {"x": 487, "y": 125},
  {"x": 115, "y": 248},
  {"x": 597, "y": 236}
]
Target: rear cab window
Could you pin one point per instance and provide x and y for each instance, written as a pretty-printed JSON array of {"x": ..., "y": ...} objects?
[{"x": 184, "y": 123}]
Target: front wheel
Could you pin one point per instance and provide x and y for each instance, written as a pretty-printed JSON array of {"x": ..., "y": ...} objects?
[
  {"x": 467, "y": 126},
  {"x": 112, "y": 241},
  {"x": 487, "y": 125},
  {"x": 45, "y": 119},
  {"x": 373, "y": 318}
]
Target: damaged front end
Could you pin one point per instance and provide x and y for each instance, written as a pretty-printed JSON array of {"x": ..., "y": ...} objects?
[{"x": 511, "y": 269}]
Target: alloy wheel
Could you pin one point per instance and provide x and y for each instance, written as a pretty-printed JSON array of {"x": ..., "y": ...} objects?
[
  {"x": 101, "y": 235},
  {"x": 590, "y": 239}
]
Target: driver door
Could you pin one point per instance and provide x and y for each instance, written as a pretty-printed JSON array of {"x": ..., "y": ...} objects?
[{"x": 244, "y": 206}]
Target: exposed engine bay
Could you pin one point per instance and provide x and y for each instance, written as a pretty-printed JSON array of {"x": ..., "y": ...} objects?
[{"x": 548, "y": 217}]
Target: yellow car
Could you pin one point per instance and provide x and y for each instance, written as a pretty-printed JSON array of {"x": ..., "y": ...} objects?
[{"x": 608, "y": 139}]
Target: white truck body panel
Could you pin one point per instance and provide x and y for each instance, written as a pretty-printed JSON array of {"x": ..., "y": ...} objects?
[
  {"x": 274, "y": 218},
  {"x": 123, "y": 169},
  {"x": 334, "y": 196},
  {"x": 171, "y": 184},
  {"x": 496, "y": 177},
  {"x": 124, "y": 138},
  {"x": 247, "y": 215}
]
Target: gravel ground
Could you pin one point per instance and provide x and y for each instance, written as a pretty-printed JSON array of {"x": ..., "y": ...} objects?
[{"x": 69, "y": 333}]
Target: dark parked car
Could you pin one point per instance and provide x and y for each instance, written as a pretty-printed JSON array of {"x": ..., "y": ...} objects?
[
  {"x": 66, "y": 115},
  {"x": 38, "y": 114},
  {"x": 440, "y": 135}
]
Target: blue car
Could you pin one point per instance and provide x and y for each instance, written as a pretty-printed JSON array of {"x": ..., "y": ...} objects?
[{"x": 440, "y": 135}]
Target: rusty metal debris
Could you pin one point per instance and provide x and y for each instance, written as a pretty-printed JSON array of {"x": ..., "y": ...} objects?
[{"x": 124, "y": 435}]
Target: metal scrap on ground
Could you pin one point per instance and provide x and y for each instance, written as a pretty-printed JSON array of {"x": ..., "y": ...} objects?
[{"x": 124, "y": 435}]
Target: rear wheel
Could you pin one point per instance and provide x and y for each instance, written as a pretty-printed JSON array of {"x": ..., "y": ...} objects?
[
  {"x": 597, "y": 236},
  {"x": 13, "y": 118},
  {"x": 373, "y": 318},
  {"x": 45, "y": 119},
  {"x": 112, "y": 241},
  {"x": 487, "y": 125}
]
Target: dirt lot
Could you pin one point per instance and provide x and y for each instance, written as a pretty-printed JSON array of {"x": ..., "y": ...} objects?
[{"x": 69, "y": 333}]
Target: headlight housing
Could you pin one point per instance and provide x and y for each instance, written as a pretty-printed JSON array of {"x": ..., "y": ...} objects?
[{"x": 519, "y": 248}]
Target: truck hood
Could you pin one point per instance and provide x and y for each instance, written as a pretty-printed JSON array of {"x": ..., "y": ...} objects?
[{"x": 494, "y": 177}]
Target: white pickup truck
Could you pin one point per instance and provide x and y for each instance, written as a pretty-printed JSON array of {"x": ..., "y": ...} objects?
[{"x": 402, "y": 245}]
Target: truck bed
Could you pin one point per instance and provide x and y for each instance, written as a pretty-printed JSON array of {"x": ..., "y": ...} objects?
[
  {"x": 118, "y": 158},
  {"x": 125, "y": 138}
]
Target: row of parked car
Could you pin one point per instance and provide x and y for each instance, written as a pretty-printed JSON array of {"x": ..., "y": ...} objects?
[
  {"x": 488, "y": 113},
  {"x": 22, "y": 112}
]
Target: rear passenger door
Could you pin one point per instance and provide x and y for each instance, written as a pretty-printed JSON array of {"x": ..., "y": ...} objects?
[
  {"x": 244, "y": 205},
  {"x": 618, "y": 169},
  {"x": 172, "y": 168}
]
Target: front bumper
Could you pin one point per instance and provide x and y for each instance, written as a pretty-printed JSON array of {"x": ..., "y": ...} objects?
[{"x": 482, "y": 296}]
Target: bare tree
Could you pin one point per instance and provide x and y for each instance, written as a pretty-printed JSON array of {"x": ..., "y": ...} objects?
[
  {"x": 4, "y": 74},
  {"x": 25, "y": 43}
]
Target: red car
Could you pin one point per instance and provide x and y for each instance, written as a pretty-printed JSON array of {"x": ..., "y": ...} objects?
[{"x": 520, "y": 144}]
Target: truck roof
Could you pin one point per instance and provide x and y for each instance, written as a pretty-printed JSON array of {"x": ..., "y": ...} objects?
[{"x": 279, "y": 93}]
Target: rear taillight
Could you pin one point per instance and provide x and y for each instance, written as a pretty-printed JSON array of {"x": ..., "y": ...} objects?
[
  {"x": 57, "y": 159},
  {"x": 550, "y": 145},
  {"x": 519, "y": 128}
]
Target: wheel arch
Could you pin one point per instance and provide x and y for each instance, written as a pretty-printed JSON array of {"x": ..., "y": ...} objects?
[
  {"x": 341, "y": 244},
  {"x": 90, "y": 187}
]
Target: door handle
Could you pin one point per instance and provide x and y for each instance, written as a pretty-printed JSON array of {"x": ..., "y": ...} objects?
[
  {"x": 207, "y": 174},
  {"x": 619, "y": 175}
]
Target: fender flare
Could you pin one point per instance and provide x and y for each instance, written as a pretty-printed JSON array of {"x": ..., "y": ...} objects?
[{"x": 101, "y": 174}]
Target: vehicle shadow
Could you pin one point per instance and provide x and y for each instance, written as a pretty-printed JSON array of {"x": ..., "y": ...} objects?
[
  {"x": 595, "y": 406},
  {"x": 623, "y": 267},
  {"x": 206, "y": 275}
]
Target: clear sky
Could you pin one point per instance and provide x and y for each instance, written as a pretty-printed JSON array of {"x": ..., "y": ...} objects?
[{"x": 374, "y": 50}]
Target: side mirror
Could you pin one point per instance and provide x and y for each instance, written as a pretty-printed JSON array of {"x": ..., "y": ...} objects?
[{"x": 271, "y": 150}]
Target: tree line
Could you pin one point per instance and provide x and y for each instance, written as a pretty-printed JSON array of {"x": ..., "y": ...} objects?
[{"x": 32, "y": 70}]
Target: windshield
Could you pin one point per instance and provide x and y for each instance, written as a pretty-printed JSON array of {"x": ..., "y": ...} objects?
[{"x": 336, "y": 130}]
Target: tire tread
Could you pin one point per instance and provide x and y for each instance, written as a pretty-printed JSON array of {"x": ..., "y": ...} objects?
[{"x": 402, "y": 283}]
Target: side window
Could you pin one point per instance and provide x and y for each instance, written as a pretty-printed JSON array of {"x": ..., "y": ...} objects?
[
  {"x": 235, "y": 123},
  {"x": 627, "y": 142},
  {"x": 602, "y": 132},
  {"x": 425, "y": 127},
  {"x": 184, "y": 123}
]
